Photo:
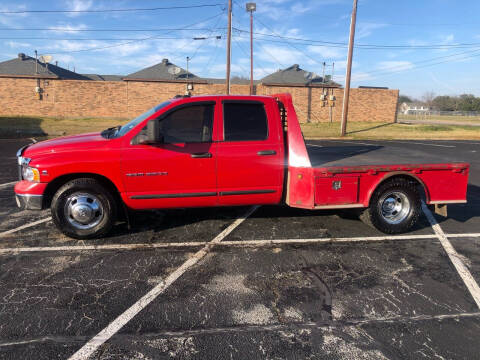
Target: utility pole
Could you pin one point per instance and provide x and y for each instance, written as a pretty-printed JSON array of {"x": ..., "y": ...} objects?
[
  {"x": 323, "y": 72},
  {"x": 251, "y": 7},
  {"x": 36, "y": 62},
  {"x": 229, "y": 45},
  {"x": 346, "y": 92}
]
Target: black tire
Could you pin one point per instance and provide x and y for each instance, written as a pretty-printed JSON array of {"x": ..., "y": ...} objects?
[
  {"x": 399, "y": 193},
  {"x": 99, "y": 209}
]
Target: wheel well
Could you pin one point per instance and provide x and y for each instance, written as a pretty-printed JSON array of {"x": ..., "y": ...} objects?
[
  {"x": 58, "y": 182},
  {"x": 406, "y": 177}
]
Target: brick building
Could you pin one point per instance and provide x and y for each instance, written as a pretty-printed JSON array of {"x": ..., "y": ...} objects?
[{"x": 32, "y": 88}]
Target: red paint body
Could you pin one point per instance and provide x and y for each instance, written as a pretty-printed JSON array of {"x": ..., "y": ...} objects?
[{"x": 235, "y": 174}]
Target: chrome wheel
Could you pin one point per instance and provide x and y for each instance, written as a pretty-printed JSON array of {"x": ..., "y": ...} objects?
[
  {"x": 83, "y": 211},
  {"x": 394, "y": 207}
]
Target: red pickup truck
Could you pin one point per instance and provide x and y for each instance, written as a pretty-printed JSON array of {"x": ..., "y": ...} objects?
[{"x": 219, "y": 151}]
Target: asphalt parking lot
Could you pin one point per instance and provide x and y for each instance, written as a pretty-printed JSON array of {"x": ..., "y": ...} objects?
[{"x": 243, "y": 283}]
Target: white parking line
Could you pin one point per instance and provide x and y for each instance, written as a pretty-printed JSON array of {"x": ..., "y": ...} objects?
[
  {"x": 7, "y": 185},
  {"x": 417, "y": 143},
  {"x": 90, "y": 347},
  {"x": 315, "y": 145},
  {"x": 239, "y": 243},
  {"x": 26, "y": 226},
  {"x": 102, "y": 247},
  {"x": 463, "y": 142},
  {"x": 462, "y": 270},
  {"x": 354, "y": 142}
]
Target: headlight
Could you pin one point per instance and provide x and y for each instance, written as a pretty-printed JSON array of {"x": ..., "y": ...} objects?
[
  {"x": 23, "y": 160},
  {"x": 31, "y": 174}
]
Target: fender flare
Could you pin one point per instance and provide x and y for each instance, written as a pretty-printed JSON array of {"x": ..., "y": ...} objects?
[{"x": 396, "y": 174}]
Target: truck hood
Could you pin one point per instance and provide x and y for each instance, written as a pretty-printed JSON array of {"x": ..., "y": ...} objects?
[{"x": 66, "y": 143}]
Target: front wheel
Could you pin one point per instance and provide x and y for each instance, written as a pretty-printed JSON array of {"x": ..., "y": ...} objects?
[
  {"x": 83, "y": 209},
  {"x": 394, "y": 207}
]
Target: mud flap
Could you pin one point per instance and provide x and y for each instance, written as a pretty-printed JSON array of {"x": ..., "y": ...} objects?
[{"x": 441, "y": 209}]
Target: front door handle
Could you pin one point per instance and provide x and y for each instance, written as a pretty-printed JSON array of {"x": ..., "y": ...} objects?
[
  {"x": 267, "y": 152},
  {"x": 201, "y": 155}
]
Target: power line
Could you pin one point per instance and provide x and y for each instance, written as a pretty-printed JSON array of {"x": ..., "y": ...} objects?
[
  {"x": 266, "y": 51},
  {"x": 311, "y": 42},
  {"x": 103, "y": 39},
  {"x": 213, "y": 57},
  {"x": 105, "y": 30},
  {"x": 246, "y": 53},
  {"x": 415, "y": 67},
  {"x": 293, "y": 46},
  {"x": 425, "y": 61},
  {"x": 130, "y": 42},
  {"x": 109, "y": 10},
  {"x": 210, "y": 33},
  {"x": 302, "y": 41},
  {"x": 417, "y": 24}
]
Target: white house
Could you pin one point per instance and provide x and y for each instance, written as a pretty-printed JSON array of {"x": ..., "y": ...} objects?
[{"x": 414, "y": 108}]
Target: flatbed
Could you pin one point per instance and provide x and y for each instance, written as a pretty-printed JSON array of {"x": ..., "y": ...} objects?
[{"x": 335, "y": 154}]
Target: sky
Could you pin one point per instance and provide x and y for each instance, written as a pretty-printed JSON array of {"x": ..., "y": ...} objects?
[{"x": 416, "y": 46}]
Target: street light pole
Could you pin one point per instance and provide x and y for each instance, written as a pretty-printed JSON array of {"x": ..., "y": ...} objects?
[
  {"x": 346, "y": 92},
  {"x": 229, "y": 45},
  {"x": 251, "y": 7}
]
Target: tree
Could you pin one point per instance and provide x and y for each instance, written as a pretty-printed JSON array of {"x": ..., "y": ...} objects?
[
  {"x": 468, "y": 102},
  {"x": 404, "y": 99},
  {"x": 428, "y": 98},
  {"x": 444, "y": 103}
]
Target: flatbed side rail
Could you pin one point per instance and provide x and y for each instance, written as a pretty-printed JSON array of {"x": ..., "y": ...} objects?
[{"x": 443, "y": 183}]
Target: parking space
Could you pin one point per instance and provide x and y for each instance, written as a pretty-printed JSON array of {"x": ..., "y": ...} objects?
[{"x": 274, "y": 282}]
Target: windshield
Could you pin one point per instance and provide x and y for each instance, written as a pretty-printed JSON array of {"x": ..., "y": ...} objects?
[{"x": 132, "y": 123}]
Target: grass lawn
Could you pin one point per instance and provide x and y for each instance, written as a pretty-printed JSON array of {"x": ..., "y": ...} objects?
[
  {"x": 454, "y": 118},
  {"x": 38, "y": 126},
  {"x": 386, "y": 131}
]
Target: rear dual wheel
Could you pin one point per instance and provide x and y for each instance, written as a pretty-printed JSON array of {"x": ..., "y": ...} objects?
[
  {"x": 394, "y": 207},
  {"x": 83, "y": 209}
]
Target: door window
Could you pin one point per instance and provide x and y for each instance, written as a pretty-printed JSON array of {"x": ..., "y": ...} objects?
[
  {"x": 190, "y": 124},
  {"x": 244, "y": 122}
]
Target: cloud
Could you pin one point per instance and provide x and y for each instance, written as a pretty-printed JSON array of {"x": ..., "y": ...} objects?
[
  {"x": 447, "y": 40},
  {"x": 16, "y": 45},
  {"x": 67, "y": 28},
  {"x": 366, "y": 29},
  {"x": 282, "y": 56},
  {"x": 12, "y": 20},
  {"x": 78, "y": 5},
  {"x": 327, "y": 53},
  {"x": 395, "y": 65},
  {"x": 299, "y": 8},
  {"x": 128, "y": 49},
  {"x": 281, "y": 9}
]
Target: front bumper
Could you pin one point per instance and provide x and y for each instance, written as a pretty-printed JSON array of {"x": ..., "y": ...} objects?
[
  {"x": 29, "y": 195},
  {"x": 29, "y": 202}
]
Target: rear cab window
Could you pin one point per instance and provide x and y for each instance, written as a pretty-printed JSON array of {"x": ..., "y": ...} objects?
[{"x": 244, "y": 121}]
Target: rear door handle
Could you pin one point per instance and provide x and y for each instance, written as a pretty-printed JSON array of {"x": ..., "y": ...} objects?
[
  {"x": 201, "y": 155},
  {"x": 267, "y": 152}
]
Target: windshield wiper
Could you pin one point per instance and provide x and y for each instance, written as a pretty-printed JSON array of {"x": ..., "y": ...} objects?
[{"x": 110, "y": 132}]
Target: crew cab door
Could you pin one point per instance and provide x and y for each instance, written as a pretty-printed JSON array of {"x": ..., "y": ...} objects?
[
  {"x": 250, "y": 153},
  {"x": 181, "y": 170}
]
